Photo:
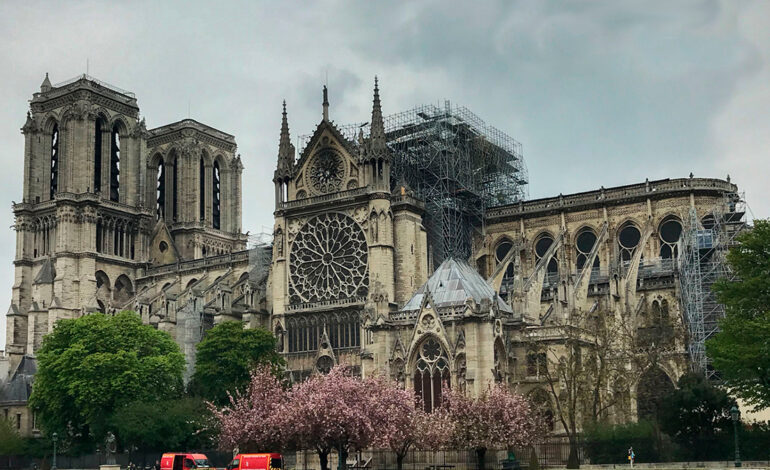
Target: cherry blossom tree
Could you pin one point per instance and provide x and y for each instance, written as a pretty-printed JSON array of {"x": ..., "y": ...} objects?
[
  {"x": 402, "y": 422},
  {"x": 497, "y": 418},
  {"x": 330, "y": 412},
  {"x": 252, "y": 421}
]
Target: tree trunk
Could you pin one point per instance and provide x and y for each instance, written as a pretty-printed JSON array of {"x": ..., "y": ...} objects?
[
  {"x": 343, "y": 455},
  {"x": 573, "y": 461},
  {"x": 323, "y": 458},
  {"x": 480, "y": 454},
  {"x": 400, "y": 461}
]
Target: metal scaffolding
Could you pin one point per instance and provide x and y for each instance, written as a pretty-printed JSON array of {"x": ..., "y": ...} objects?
[
  {"x": 704, "y": 244},
  {"x": 457, "y": 164}
]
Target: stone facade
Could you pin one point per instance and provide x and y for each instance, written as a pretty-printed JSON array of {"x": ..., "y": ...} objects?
[{"x": 347, "y": 277}]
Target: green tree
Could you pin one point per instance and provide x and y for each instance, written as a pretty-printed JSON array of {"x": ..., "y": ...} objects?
[
  {"x": 697, "y": 416},
  {"x": 91, "y": 366},
  {"x": 163, "y": 425},
  {"x": 10, "y": 441},
  {"x": 227, "y": 355},
  {"x": 740, "y": 350}
]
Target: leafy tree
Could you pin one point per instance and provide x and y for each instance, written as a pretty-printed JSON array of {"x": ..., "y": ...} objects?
[
  {"x": 253, "y": 421},
  {"x": 163, "y": 425},
  {"x": 740, "y": 350},
  {"x": 91, "y": 366},
  {"x": 10, "y": 441},
  {"x": 403, "y": 423},
  {"x": 226, "y": 357},
  {"x": 498, "y": 418},
  {"x": 332, "y": 411},
  {"x": 697, "y": 416}
]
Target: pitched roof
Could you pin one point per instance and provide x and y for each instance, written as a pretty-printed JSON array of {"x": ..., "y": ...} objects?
[
  {"x": 19, "y": 387},
  {"x": 452, "y": 284}
]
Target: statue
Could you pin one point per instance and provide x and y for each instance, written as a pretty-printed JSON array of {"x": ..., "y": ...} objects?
[{"x": 110, "y": 447}]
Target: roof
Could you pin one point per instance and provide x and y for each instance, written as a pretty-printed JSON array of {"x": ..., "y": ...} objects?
[
  {"x": 19, "y": 387},
  {"x": 452, "y": 284}
]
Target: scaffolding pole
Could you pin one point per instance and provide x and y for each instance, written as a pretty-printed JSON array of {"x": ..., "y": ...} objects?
[{"x": 705, "y": 242}]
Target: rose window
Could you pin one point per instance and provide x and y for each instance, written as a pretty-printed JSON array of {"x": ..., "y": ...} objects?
[
  {"x": 329, "y": 260},
  {"x": 327, "y": 171}
]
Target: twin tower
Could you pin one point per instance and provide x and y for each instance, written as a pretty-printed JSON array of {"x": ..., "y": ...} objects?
[{"x": 104, "y": 198}]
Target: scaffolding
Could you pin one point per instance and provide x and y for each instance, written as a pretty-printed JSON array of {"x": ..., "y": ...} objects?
[
  {"x": 454, "y": 162},
  {"x": 705, "y": 242}
]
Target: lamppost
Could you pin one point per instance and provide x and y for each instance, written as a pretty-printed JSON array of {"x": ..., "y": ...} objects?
[
  {"x": 53, "y": 462},
  {"x": 736, "y": 415}
]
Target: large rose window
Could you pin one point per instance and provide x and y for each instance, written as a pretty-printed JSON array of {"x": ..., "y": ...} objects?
[{"x": 329, "y": 260}]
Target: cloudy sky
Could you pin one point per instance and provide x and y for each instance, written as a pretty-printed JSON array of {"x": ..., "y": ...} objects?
[{"x": 599, "y": 93}]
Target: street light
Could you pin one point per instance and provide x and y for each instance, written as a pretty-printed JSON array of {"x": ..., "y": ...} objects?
[
  {"x": 53, "y": 463},
  {"x": 736, "y": 415}
]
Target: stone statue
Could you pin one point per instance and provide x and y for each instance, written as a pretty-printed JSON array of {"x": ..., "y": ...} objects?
[{"x": 110, "y": 447}]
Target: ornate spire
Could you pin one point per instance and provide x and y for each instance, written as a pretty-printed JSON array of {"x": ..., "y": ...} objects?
[
  {"x": 326, "y": 104},
  {"x": 378, "y": 126},
  {"x": 46, "y": 85},
  {"x": 285, "y": 149}
]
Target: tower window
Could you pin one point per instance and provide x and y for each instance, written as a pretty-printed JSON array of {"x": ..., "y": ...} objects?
[
  {"x": 98, "y": 155},
  {"x": 175, "y": 189},
  {"x": 202, "y": 192},
  {"x": 160, "y": 190},
  {"x": 115, "y": 165},
  {"x": 54, "y": 160},
  {"x": 215, "y": 200}
]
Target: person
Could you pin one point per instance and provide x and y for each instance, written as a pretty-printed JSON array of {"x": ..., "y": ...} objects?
[
  {"x": 631, "y": 456},
  {"x": 157, "y": 465}
]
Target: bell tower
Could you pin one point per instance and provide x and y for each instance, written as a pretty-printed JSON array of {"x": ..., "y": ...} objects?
[{"x": 81, "y": 227}]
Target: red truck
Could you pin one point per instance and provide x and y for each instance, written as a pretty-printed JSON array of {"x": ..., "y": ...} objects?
[
  {"x": 270, "y": 461},
  {"x": 183, "y": 461}
]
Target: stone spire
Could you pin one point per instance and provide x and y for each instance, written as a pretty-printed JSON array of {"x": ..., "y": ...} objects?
[
  {"x": 378, "y": 127},
  {"x": 285, "y": 149},
  {"x": 326, "y": 104},
  {"x": 46, "y": 85}
]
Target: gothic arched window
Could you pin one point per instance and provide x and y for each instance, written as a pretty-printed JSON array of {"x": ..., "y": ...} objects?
[
  {"x": 54, "y": 160},
  {"x": 175, "y": 196},
  {"x": 202, "y": 192},
  {"x": 585, "y": 242},
  {"x": 160, "y": 190},
  {"x": 215, "y": 196},
  {"x": 98, "y": 155},
  {"x": 669, "y": 232},
  {"x": 115, "y": 165},
  {"x": 431, "y": 370}
]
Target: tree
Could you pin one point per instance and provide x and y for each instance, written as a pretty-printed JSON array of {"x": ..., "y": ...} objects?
[
  {"x": 91, "y": 366},
  {"x": 496, "y": 418},
  {"x": 254, "y": 421},
  {"x": 331, "y": 412},
  {"x": 583, "y": 369},
  {"x": 697, "y": 416},
  {"x": 402, "y": 423},
  {"x": 163, "y": 425},
  {"x": 226, "y": 357},
  {"x": 739, "y": 351},
  {"x": 10, "y": 441}
]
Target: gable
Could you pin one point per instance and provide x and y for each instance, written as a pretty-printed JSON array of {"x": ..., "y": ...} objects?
[
  {"x": 162, "y": 247},
  {"x": 328, "y": 164}
]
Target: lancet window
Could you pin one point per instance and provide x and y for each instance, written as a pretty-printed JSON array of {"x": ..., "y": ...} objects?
[
  {"x": 115, "y": 165},
  {"x": 304, "y": 332},
  {"x": 54, "y": 160},
  {"x": 98, "y": 155},
  {"x": 160, "y": 191},
  {"x": 216, "y": 194},
  {"x": 431, "y": 372}
]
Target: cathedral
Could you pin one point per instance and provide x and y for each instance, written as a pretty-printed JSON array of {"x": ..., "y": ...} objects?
[{"x": 365, "y": 267}]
